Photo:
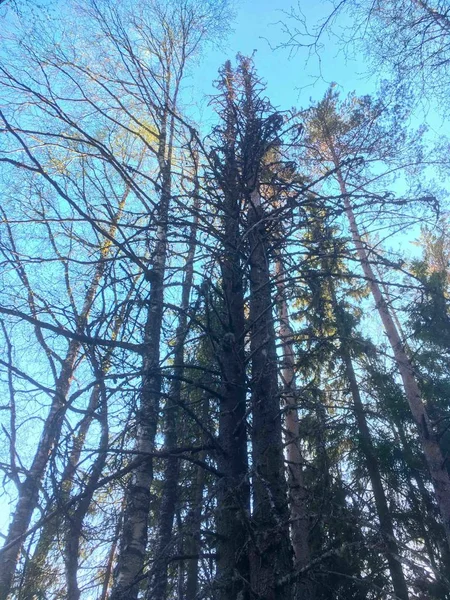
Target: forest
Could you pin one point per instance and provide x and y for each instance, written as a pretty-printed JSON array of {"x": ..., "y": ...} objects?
[{"x": 224, "y": 339}]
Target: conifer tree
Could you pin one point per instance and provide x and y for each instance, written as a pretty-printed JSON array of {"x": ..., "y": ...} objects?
[{"x": 338, "y": 136}]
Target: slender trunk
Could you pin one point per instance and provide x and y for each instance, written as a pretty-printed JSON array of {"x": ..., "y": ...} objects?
[
  {"x": 157, "y": 584},
  {"x": 35, "y": 568},
  {"x": 29, "y": 488},
  {"x": 368, "y": 450},
  {"x": 297, "y": 492},
  {"x": 428, "y": 438},
  {"x": 271, "y": 557},
  {"x": 75, "y": 517},
  {"x": 180, "y": 579},
  {"x": 393, "y": 312},
  {"x": 111, "y": 557},
  {"x": 192, "y": 544},
  {"x": 133, "y": 541}
]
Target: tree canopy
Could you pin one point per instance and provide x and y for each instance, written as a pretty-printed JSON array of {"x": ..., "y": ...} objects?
[{"x": 224, "y": 369}]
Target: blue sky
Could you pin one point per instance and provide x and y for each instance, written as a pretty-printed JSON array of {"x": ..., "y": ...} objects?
[{"x": 291, "y": 80}]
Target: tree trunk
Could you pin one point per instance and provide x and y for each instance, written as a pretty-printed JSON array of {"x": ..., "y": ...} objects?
[
  {"x": 129, "y": 570},
  {"x": 33, "y": 578},
  {"x": 271, "y": 558},
  {"x": 29, "y": 488},
  {"x": 428, "y": 438},
  {"x": 157, "y": 584},
  {"x": 297, "y": 492},
  {"x": 365, "y": 439},
  {"x": 111, "y": 556},
  {"x": 75, "y": 517},
  {"x": 192, "y": 544},
  {"x": 233, "y": 493}
]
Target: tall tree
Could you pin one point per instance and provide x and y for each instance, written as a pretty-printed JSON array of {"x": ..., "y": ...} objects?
[
  {"x": 234, "y": 490},
  {"x": 336, "y": 136},
  {"x": 270, "y": 558},
  {"x": 298, "y": 507},
  {"x": 157, "y": 584}
]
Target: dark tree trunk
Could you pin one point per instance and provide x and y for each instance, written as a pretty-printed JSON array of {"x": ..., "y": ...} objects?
[
  {"x": 271, "y": 557},
  {"x": 233, "y": 492},
  {"x": 157, "y": 584},
  {"x": 192, "y": 544},
  {"x": 368, "y": 450}
]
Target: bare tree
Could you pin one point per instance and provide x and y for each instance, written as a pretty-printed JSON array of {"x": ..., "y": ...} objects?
[{"x": 410, "y": 39}]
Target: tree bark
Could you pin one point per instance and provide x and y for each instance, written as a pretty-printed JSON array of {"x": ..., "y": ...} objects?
[
  {"x": 233, "y": 495},
  {"x": 133, "y": 542},
  {"x": 365, "y": 439},
  {"x": 110, "y": 562},
  {"x": 271, "y": 558},
  {"x": 297, "y": 492},
  {"x": 157, "y": 585},
  {"x": 192, "y": 544},
  {"x": 234, "y": 492},
  {"x": 428, "y": 438}
]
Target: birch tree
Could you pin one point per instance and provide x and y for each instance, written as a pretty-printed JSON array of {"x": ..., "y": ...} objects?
[{"x": 172, "y": 36}]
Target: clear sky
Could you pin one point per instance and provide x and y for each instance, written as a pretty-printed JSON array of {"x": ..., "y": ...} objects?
[{"x": 291, "y": 79}]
